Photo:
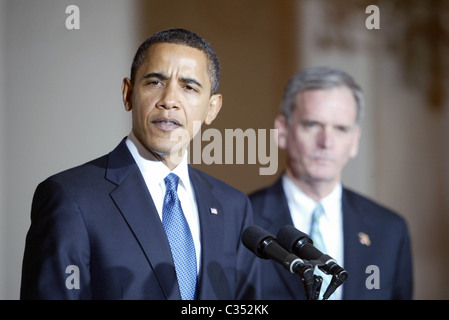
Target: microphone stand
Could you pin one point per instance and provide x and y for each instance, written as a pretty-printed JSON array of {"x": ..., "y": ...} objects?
[
  {"x": 311, "y": 282},
  {"x": 336, "y": 281},
  {"x": 318, "y": 280},
  {"x": 314, "y": 292}
]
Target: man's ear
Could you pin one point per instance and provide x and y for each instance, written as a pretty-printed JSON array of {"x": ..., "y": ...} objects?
[
  {"x": 280, "y": 123},
  {"x": 127, "y": 92},
  {"x": 215, "y": 103}
]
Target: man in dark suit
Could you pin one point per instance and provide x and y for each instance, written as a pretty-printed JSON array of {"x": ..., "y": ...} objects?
[
  {"x": 319, "y": 127},
  {"x": 98, "y": 231}
]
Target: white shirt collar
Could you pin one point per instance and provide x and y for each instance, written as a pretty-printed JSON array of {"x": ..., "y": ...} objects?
[
  {"x": 302, "y": 206},
  {"x": 305, "y": 204},
  {"x": 332, "y": 203},
  {"x": 155, "y": 169},
  {"x": 295, "y": 196}
]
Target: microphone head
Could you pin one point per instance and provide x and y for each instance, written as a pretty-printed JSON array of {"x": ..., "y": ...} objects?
[
  {"x": 288, "y": 237},
  {"x": 255, "y": 239}
]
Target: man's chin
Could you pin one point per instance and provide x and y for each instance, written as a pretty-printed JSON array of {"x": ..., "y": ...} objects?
[
  {"x": 323, "y": 177},
  {"x": 160, "y": 151}
]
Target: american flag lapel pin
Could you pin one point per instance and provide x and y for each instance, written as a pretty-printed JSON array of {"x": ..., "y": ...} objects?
[
  {"x": 364, "y": 239},
  {"x": 213, "y": 211}
]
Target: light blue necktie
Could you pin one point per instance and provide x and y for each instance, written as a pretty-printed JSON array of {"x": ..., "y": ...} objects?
[
  {"x": 318, "y": 242},
  {"x": 180, "y": 239},
  {"x": 315, "y": 232}
]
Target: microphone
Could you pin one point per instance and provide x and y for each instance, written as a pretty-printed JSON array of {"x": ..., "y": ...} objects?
[
  {"x": 264, "y": 245},
  {"x": 301, "y": 244}
]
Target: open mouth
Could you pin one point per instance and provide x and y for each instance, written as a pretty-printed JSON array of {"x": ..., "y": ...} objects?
[{"x": 166, "y": 124}]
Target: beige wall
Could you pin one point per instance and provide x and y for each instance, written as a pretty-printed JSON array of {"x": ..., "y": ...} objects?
[{"x": 412, "y": 176}]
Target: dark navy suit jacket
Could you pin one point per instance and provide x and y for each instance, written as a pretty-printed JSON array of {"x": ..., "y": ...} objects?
[
  {"x": 95, "y": 234},
  {"x": 388, "y": 248}
]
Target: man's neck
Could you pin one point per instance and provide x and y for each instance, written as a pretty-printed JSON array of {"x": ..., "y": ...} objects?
[
  {"x": 315, "y": 189},
  {"x": 170, "y": 160}
]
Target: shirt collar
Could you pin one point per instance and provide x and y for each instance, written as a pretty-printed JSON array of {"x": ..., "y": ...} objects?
[
  {"x": 331, "y": 203},
  {"x": 302, "y": 202},
  {"x": 156, "y": 169}
]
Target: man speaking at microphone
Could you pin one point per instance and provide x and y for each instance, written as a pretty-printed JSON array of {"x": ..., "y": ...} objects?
[
  {"x": 319, "y": 127},
  {"x": 140, "y": 223}
]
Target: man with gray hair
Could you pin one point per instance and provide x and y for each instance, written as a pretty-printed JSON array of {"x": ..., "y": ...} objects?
[{"x": 319, "y": 128}]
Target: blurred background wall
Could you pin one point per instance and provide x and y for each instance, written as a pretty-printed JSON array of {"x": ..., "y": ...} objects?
[
  {"x": 60, "y": 98},
  {"x": 60, "y": 104}
]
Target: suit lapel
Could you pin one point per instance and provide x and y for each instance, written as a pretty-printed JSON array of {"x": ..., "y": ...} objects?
[
  {"x": 276, "y": 214},
  {"x": 211, "y": 219},
  {"x": 354, "y": 252},
  {"x": 134, "y": 202}
]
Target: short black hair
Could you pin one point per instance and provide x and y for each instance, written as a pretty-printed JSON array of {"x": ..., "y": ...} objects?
[{"x": 182, "y": 37}]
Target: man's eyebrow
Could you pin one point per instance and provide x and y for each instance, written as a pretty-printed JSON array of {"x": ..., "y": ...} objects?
[
  {"x": 162, "y": 76},
  {"x": 309, "y": 121},
  {"x": 191, "y": 81},
  {"x": 156, "y": 75}
]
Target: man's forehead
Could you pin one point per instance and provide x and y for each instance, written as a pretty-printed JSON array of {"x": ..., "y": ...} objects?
[
  {"x": 170, "y": 50},
  {"x": 162, "y": 57},
  {"x": 337, "y": 102},
  {"x": 341, "y": 94}
]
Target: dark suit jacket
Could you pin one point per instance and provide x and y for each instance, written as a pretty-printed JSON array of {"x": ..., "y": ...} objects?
[
  {"x": 389, "y": 248},
  {"x": 99, "y": 220}
]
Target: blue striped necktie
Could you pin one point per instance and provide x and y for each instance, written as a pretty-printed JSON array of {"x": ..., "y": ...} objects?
[{"x": 180, "y": 239}]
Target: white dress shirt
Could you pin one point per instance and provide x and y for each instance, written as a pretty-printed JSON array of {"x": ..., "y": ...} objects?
[
  {"x": 154, "y": 173},
  {"x": 331, "y": 227}
]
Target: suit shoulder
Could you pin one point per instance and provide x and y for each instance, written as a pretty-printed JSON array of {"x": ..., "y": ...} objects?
[
  {"x": 259, "y": 193},
  {"x": 258, "y": 197},
  {"x": 80, "y": 174},
  {"x": 223, "y": 187},
  {"x": 370, "y": 207},
  {"x": 273, "y": 192}
]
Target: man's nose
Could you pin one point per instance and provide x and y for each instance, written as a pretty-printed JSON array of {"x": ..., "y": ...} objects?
[
  {"x": 325, "y": 138},
  {"x": 170, "y": 97}
]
